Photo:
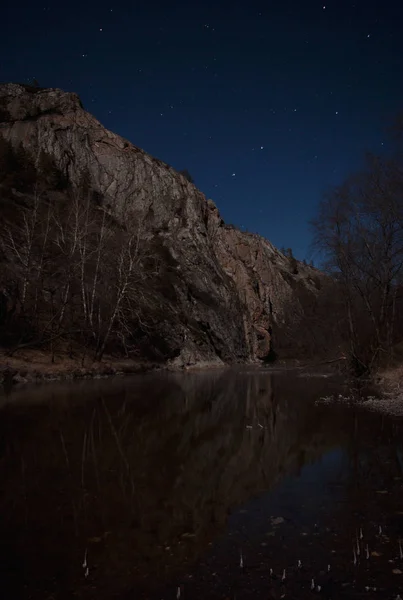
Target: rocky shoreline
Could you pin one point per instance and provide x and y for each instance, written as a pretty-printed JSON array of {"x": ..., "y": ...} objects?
[{"x": 383, "y": 393}]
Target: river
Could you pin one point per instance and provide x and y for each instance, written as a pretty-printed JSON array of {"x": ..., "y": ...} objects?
[{"x": 224, "y": 484}]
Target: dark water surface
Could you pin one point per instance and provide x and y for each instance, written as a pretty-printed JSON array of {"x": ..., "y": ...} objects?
[{"x": 198, "y": 486}]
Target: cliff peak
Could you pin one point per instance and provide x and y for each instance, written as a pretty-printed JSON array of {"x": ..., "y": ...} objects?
[{"x": 23, "y": 101}]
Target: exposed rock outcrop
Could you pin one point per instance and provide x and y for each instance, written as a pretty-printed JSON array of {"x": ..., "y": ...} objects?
[{"x": 229, "y": 287}]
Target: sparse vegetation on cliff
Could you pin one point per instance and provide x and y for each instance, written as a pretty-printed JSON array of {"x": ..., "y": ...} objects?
[
  {"x": 71, "y": 275},
  {"x": 187, "y": 175}
]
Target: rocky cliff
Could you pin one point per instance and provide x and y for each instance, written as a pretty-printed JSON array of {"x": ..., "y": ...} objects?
[{"x": 227, "y": 288}]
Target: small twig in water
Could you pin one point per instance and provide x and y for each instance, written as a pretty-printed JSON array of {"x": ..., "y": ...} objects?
[{"x": 85, "y": 564}]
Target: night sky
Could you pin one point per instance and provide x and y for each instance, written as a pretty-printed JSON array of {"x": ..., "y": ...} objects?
[{"x": 267, "y": 104}]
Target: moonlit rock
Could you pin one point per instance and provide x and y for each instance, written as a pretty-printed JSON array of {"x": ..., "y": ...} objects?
[{"x": 243, "y": 284}]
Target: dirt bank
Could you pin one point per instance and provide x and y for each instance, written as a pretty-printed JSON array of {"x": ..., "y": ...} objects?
[{"x": 33, "y": 366}]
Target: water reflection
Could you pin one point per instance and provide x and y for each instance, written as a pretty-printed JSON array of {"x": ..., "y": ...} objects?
[{"x": 115, "y": 487}]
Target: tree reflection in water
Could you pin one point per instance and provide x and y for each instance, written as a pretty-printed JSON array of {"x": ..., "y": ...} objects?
[{"x": 136, "y": 478}]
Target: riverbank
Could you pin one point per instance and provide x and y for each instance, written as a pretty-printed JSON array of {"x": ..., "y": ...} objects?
[
  {"x": 382, "y": 393},
  {"x": 389, "y": 384},
  {"x": 35, "y": 366}
]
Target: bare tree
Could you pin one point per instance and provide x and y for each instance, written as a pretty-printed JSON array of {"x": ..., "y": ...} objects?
[
  {"x": 71, "y": 272},
  {"x": 359, "y": 231}
]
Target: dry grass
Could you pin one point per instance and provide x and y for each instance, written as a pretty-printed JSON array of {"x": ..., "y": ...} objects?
[
  {"x": 384, "y": 396},
  {"x": 391, "y": 380},
  {"x": 389, "y": 384},
  {"x": 36, "y": 365}
]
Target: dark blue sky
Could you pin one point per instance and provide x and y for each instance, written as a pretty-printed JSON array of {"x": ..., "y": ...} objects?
[{"x": 265, "y": 103}]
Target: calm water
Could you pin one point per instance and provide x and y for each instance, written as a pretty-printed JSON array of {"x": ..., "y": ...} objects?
[{"x": 198, "y": 486}]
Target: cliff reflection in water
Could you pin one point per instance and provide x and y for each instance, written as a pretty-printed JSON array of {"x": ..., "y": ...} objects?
[{"x": 138, "y": 475}]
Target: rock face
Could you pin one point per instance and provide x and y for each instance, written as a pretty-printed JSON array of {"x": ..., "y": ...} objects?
[{"x": 230, "y": 287}]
